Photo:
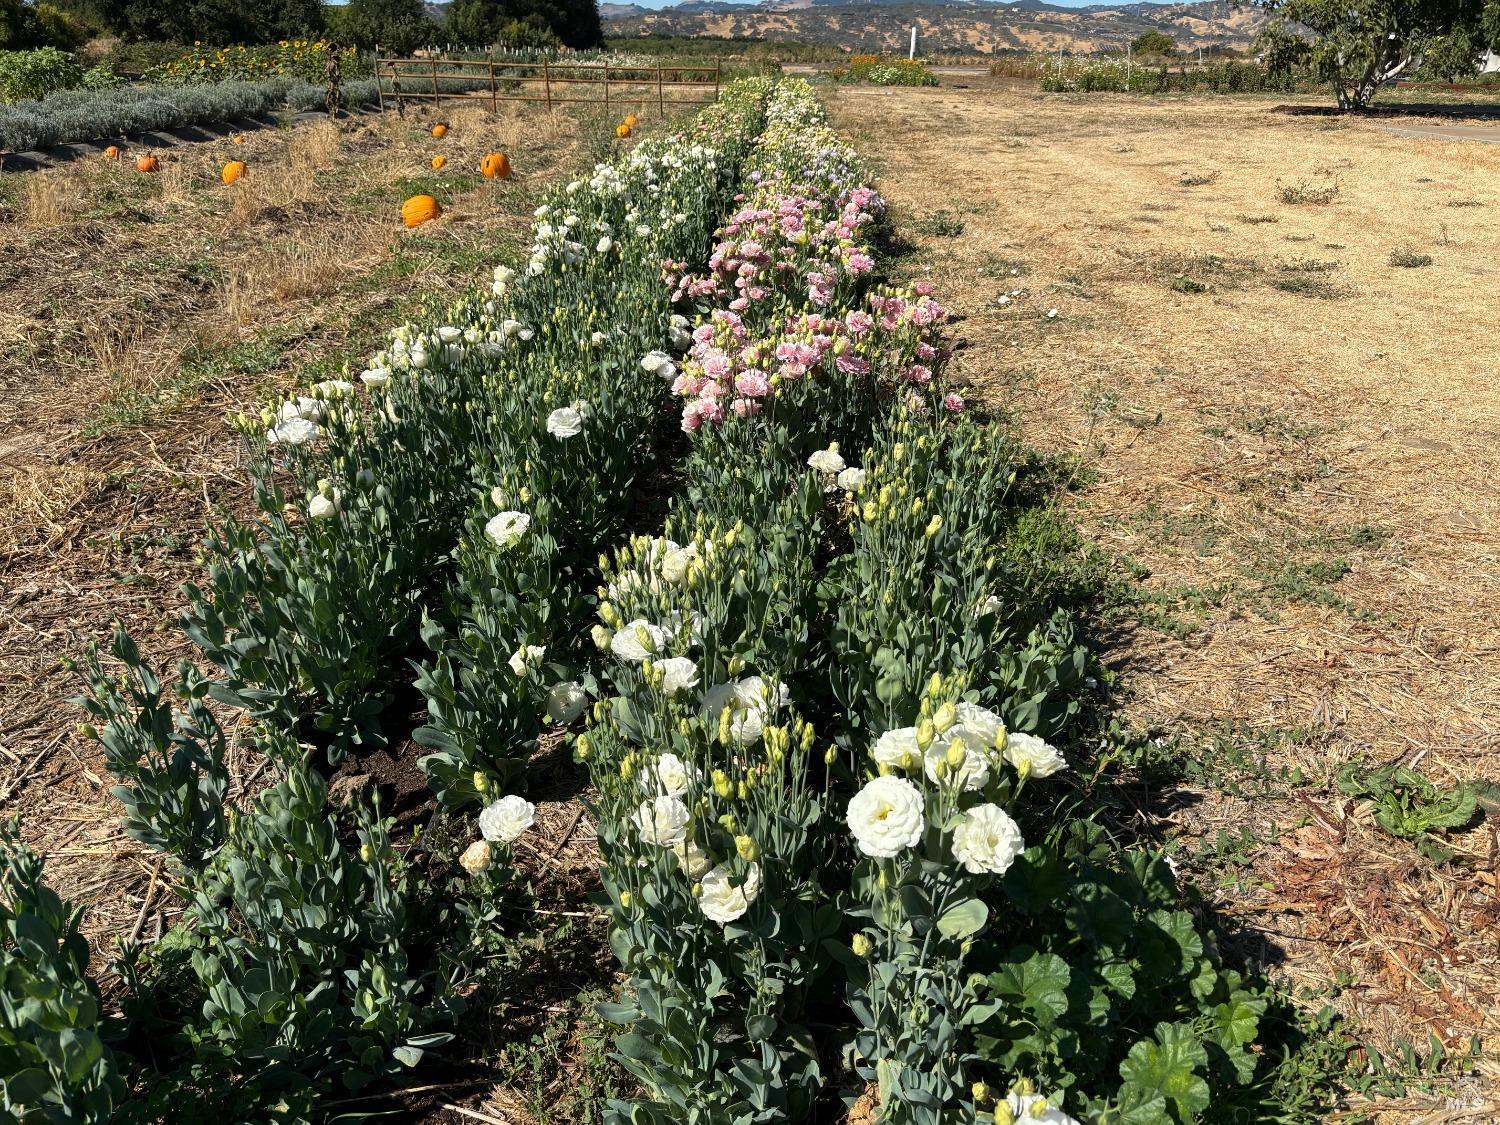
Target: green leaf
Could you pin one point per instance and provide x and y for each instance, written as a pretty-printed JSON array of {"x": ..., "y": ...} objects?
[
  {"x": 1037, "y": 984},
  {"x": 963, "y": 920},
  {"x": 1171, "y": 1065}
]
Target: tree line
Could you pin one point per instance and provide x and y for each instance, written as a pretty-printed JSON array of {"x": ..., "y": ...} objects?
[{"x": 393, "y": 25}]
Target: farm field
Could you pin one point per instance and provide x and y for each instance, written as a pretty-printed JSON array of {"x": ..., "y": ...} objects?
[
  {"x": 634, "y": 669},
  {"x": 1273, "y": 356}
]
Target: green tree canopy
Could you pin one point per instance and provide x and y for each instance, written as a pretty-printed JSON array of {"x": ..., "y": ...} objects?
[
  {"x": 1153, "y": 43},
  {"x": 525, "y": 22},
  {"x": 1358, "y": 45},
  {"x": 212, "y": 21},
  {"x": 398, "y": 26}
]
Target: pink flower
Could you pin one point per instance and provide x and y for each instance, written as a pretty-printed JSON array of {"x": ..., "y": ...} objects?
[
  {"x": 953, "y": 401},
  {"x": 752, "y": 384},
  {"x": 746, "y": 408},
  {"x": 918, "y": 374},
  {"x": 859, "y": 323}
]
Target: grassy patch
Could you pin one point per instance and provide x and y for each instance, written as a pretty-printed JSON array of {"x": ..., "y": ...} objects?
[
  {"x": 1306, "y": 193},
  {"x": 942, "y": 224},
  {"x": 1407, "y": 258}
]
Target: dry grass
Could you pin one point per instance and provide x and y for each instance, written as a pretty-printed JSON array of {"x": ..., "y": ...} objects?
[{"x": 1248, "y": 442}]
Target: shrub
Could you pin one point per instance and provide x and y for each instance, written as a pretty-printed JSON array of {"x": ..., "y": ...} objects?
[
  {"x": 886, "y": 70},
  {"x": 28, "y": 75},
  {"x": 1404, "y": 257}
]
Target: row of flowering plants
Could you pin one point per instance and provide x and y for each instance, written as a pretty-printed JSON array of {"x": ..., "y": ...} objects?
[
  {"x": 437, "y": 515},
  {"x": 835, "y": 820}
]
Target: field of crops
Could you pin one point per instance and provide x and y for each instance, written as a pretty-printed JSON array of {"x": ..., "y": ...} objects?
[{"x": 648, "y": 686}]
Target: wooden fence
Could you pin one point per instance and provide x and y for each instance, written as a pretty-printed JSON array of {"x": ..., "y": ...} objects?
[{"x": 547, "y": 83}]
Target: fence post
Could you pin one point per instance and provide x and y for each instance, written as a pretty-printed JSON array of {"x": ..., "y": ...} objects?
[
  {"x": 435, "y": 98},
  {"x": 494, "y": 93},
  {"x": 606, "y": 87},
  {"x": 547, "y": 79},
  {"x": 716, "y": 81},
  {"x": 661, "y": 98},
  {"x": 379, "y": 91}
]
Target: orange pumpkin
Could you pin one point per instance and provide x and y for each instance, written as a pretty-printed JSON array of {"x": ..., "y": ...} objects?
[
  {"x": 632, "y": 120},
  {"x": 438, "y": 162},
  {"x": 146, "y": 163},
  {"x": 232, "y": 171},
  {"x": 419, "y": 209},
  {"x": 495, "y": 166},
  {"x": 622, "y": 130},
  {"x": 238, "y": 138},
  {"x": 440, "y": 130},
  {"x": 112, "y": 152}
]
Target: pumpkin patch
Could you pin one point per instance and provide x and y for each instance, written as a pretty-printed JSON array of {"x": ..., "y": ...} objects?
[{"x": 495, "y": 166}]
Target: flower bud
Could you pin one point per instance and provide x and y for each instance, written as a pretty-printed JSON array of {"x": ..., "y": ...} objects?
[
  {"x": 736, "y": 664},
  {"x": 981, "y": 1092},
  {"x": 625, "y": 900},
  {"x": 626, "y": 769},
  {"x": 601, "y": 637},
  {"x": 946, "y": 716},
  {"x": 861, "y": 945},
  {"x": 934, "y": 684},
  {"x": 609, "y": 615},
  {"x": 481, "y": 782},
  {"x": 366, "y": 852},
  {"x": 956, "y": 754},
  {"x": 476, "y": 857},
  {"x": 643, "y": 638},
  {"x": 933, "y": 525},
  {"x": 1003, "y": 1114},
  {"x": 807, "y": 738},
  {"x": 88, "y": 730},
  {"x": 747, "y": 849},
  {"x": 924, "y": 734},
  {"x": 830, "y": 755}
]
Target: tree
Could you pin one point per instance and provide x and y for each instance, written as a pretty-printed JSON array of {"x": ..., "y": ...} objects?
[
  {"x": 213, "y": 21},
  {"x": 392, "y": 25},
  {"x": 525, "y": 22},
  {"x": 1359, "y": 45},
  {"x": 1154, "y": 43}
]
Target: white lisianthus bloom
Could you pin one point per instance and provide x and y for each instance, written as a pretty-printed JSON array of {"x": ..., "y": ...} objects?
[
  {"x": 565, "y": 702},
  {"x": 980, "y": 726},
  {"x": 507, "y": 528},
  {"x": 302, "y": 407},
  {"x": 827, "y": 461},
  {"x": 675, "y": 562},
  {"x": 1032, "y": 1109},
  {"x": 972, "y": 769},
  {"x": 507, "y": 818},
  {"x": 1031, "y": 755},
  {"x": 375, "y": 377},
  {"x": 989, "y": 605},
  {"x": 604, "y": 245},
  {"x": 659, "y": 364},
  {"x": 321, "y": 507},
  {"x": 636, "y": 640},
  {"x": 598, "y": 338},
  {"x": 886, "y": 817},
  {"x": 851, "y": 479},
  {"x": 565, "y": 422},
  {"x": 524, "y": 657},
  {"x": 292, "y": 431},
  {"x": 986, "y": 839},
  {"x": 476, "y": 857},
  {"x": 449, "y": 334},
  {"x": 663, "y": 821},
  {"x": 723, "y": 902},
  {"x": 679, "y": 673},
  {"x": 897, "y": 748},
  {"x": 749, "y": 702},
  {"x": 693, "y": 860},
  {"x": 673, "y": 775}
]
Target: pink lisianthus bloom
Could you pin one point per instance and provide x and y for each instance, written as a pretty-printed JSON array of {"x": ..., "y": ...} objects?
[
  {"x": 953, "y": 402},
  {"x": 924, "y": 288},
  {"x": 703, "y": 334},
  {"x": 926, "y": 351},
  {"x": 851, "y": 364},
  {"x": 687, "y": 385},
  {"x": 752, "y": 384},
  {"x": 745, "y": 407},
  {"x": 715, "y": 363},
  {"x": 859, "y": 323},
  {"x": 860, "y": 264},
  {"x": 918, "y": 374},
  {"x": 739, "y": 304}
]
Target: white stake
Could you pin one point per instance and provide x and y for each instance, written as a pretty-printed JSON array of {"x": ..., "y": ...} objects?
[{"x": 913, "y": 53}]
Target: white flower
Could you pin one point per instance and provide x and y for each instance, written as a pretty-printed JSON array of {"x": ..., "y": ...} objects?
[
  {"x": 657, "y": 363},
  {"x": 321, "y": 507},
  {"x": 679, "y": 673},
  {"x": 565, "y": 702},
  {"x": 989, "y": 605},
  {"x": 675, "y": 562},
  {"x": 986, "y": 839},
  {"x": 827, "y": 460},
  {"x": 851, "y": 479},
  {"x": 980, "y": 726},
  {"x": 693, "y": 860},
  {"x": 604, "y": 245},
  {"x": 673, "y": 775},
  {"x": 749, "y": 701},
  {"x": 292, "y": 431},
  {"x": 450, "y": 334},
  {"x": 507, "y": 528},
  {"x": 375, "y": 377},
  {"x": 1031, "y": 1109},
  {"x": 476, "y": 857},
  {"x": 1051, "y": 314},
  {"x": 524, "y": 657},
  {"x": 721, "y": 901},
  {"x": 886, "y": 817},
  {"x": 897, "y": 748},
  {"x": 972, "y": 769},
  {"x": 637, "y": 640},
  {"x": 507, "y": 818},
  {"x": 663, "y": 821},
  {"x": 565, "y": 422},
  {"x": 1030, "y": 754}
]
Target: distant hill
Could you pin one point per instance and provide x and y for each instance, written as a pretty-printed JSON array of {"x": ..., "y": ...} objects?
[{"x": 979, "y": 26}]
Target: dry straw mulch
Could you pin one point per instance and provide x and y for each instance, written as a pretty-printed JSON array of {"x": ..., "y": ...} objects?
[{"x": 1295, "y": 439}]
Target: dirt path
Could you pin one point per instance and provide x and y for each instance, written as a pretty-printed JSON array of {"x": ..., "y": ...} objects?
[
  {"x": 1271, "y": 342},
  {"x": 1483, "y": 134}
]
